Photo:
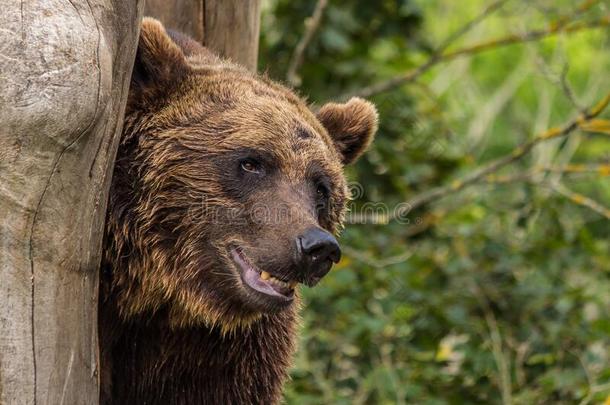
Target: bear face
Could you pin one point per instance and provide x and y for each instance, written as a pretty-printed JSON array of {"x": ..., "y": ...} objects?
[{"x": 227, "y": 188}]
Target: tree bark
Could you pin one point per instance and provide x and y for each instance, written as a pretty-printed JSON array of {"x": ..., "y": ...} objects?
[
  {"x": 64, "y": 75},
  {"x": 228, "y": 27}
]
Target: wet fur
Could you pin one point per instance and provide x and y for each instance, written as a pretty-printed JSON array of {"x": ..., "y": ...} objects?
[{"x": 176, "y": 324}]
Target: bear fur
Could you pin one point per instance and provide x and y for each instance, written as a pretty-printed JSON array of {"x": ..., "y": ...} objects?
[{"x": 177, "y": 323}]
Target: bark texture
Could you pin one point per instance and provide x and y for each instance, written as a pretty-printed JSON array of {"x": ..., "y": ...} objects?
[
  {"x": 228, "y": 27},
  {"x": 64, "y": 75}
]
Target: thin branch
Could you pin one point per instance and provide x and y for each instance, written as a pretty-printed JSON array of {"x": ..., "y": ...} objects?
[
  {"x": 581, "y": 200},
  {"x": 500, "y": 356},
  {"x": 597, "y": 126},
  {"x": 596, "y": 389},
  {"x": 559, "y": 26},
  {"x": 528, "y": 37},
  {"x": 521, "y": 351},
  {"x": 435, "y": 58},
  {"x": 567, "y": 88},
  {"x": 588, "y": 374},
  {"x": 464, "y": 29},
  {"x": 602, "y": 170},
  {"x": 519, "y": 152},
  {"x": 436, "y": 107},
  {"x": 585, "y": 6},
  {"x": 376, "y": 263},
  {"x": 311, "y": 26},
  {"x": 562, "y": 82}
]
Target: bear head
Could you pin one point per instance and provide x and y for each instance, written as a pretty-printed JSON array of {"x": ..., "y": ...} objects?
[{"x": 227, "y": 188}]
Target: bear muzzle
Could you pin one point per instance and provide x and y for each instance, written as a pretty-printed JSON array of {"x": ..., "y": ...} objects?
[{"x": 317, "y": 250}]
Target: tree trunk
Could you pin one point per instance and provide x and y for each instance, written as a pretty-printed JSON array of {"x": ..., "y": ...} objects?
[
  {"x": 228, "y": 27},
  {"x": 64, "y": 77}
]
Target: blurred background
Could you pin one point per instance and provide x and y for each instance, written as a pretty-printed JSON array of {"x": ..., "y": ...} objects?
[{"x": 482, "y": 275}]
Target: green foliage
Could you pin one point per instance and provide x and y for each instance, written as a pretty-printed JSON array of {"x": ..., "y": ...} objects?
[{"x": 499, "y": 293}]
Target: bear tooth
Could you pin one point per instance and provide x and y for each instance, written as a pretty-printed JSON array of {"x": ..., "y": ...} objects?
[{"x": 265, "y": 275}]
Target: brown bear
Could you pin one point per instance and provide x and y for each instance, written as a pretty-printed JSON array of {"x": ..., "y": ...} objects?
[{"x": 226, "y": 194}]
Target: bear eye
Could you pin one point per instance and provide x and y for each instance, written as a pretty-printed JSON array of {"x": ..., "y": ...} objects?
[
  {"x": 322, "y": 192},
  {"x": 250, "y": 166}
]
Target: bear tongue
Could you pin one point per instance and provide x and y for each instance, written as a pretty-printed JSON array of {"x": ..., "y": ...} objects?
[{"x": 253, "y": 279}]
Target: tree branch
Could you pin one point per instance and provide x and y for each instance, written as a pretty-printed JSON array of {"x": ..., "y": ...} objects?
[
  {"x": 311, "y": 26},
  {"x": 519, "y": 152},
  {"x": 602, "y": 169},
  {"x": 434, "y": 59},
  {"x": 581, "y": 200},
  {"x": 561, "y": 25},
  {"x": 554, "y": 29},
  {"x": 377, "y": 263},
  {"x": 469, "y": 25},
  {"x": 501, "y": 357}
]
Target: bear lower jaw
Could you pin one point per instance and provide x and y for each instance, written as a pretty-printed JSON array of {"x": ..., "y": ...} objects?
[{"x": 262, "y": 282}]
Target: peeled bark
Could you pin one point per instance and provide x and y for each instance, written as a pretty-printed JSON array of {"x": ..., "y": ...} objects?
[
  {"x": 64, "y": 77},
  {"x": 228, "y": 27}
]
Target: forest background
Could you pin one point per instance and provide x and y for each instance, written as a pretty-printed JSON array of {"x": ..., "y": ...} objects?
[{"x": 476, "y": 263}]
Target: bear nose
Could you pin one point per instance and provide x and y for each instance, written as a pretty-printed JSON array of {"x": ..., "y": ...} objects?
[{"x": 318, "y": 251}]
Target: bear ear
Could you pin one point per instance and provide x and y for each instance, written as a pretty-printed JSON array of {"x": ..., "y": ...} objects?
[
  {"x": 159, "y": 66},
  {"x": 351, "y": 125}
]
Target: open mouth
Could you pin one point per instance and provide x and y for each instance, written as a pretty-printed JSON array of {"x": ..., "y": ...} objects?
[{"x": 262, "y": 281}]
